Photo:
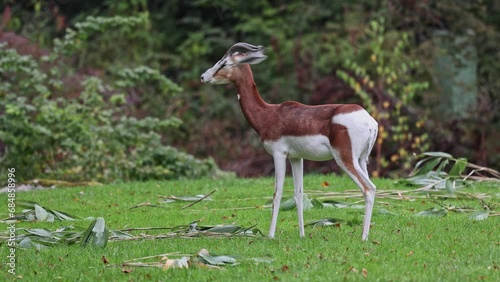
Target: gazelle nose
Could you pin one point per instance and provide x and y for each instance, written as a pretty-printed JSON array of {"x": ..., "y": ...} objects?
[{"x": 201, "y": 78}]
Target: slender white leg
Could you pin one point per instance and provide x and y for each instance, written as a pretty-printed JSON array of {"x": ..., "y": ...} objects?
[
  {"x": 297, "y": 171},
  {"x": 369, "y": 200},
  {"x": 279, "y": 170},
  {"x": 369, "y": 193}
]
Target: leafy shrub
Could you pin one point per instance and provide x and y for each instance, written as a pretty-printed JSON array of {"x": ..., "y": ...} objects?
[
  {"x": 93, "y": 136},
  {"x": 381, "y": 73}
]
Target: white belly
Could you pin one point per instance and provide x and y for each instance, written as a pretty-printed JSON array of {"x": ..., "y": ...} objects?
[{"x": 311, "y": 147}]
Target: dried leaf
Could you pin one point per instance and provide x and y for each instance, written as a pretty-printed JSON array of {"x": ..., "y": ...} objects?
[
  {"x": 182, "y": 262},
  {"x": 364, "y": 272}
]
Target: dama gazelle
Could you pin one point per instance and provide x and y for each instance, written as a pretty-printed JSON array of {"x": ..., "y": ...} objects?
[{"x": 295, "y": 131}]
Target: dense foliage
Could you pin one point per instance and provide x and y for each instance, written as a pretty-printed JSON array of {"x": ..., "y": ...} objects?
[
  {"x": 425, "y": 69},
  {"x": 92, "y": 136}
]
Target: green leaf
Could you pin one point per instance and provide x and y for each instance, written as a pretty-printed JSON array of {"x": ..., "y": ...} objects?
[
  {"x": 418, "y": 166},
  {"x": 287, "y": 205},
  {"x": 449, "y": 184},
  {"x": 120, "y": 234},
  {"x": 438, "y": 154},
  {"x": 62, "y": 215},
  {"x": 442, "y": 165},
  {"x": 336, "y": 204},
  {"x": 232, "y": 229},
  {"x": 459, "y": 167},
  {"x": 306, "y": 203},
  {"x": 215, "y": 259},
  {"x": 479, "y": 215},
  {"x": 317, "y": 204},
  {"x": 429, "y": 166}
]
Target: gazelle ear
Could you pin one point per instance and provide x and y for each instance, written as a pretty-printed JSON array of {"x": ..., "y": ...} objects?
[{"x": 252, "y": 57}]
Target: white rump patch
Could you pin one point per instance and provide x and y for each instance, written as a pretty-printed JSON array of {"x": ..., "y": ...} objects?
[{"x": 360, "y": 126}]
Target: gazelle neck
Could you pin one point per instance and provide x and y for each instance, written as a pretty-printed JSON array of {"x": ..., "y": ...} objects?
[{"x": 252, "y": 105}]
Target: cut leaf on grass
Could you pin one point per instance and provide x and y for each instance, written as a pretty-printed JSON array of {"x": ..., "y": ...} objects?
[
  {"x": 27, "y": 243},
  {"x": 182, "y": 262},
  {"x": 96, "y": 234},
  {"x": 120, "y": 234},
  {"x": 289, "y": 204},
  {"x": 217, "y": 260},
  {"x": 433, "y": 212},
  {"x": 41, "y": 214},
  {"x": 202, "y": 258},
  {"x": 36, "y": 212},
  {"x": 263, "y": 260},
  {"x": 317, "y": 204},
  {"x": 423, "y": 169},
  {"x": 232, "y": 229},
  {"x": 341, "y": 205},
  {"x": 386, "y": 212},
  {"x": 479, "y": 215},
  {"x": 40, "y": 232},
  {"x": 144, "y": 204},
  {"x": 170, "y": 199},
  {"x": 324, "y": 222}
]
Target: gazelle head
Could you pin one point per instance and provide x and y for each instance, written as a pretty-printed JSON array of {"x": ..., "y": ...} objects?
[{"x": 240, "y": 53}]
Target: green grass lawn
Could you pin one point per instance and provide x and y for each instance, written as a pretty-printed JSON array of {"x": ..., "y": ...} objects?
[{"x": 401, "y": 246}]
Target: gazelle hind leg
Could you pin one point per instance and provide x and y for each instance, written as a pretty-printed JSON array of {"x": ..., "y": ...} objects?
[
  {"x": 357, "y": 174},
  {"x": 297, "y": 172},
  {"x": 279, "y": 171},
  {"x": 370, "y": 192}
]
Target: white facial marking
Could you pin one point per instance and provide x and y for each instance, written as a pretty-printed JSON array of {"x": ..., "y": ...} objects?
[{"x": 238, "y": 96}]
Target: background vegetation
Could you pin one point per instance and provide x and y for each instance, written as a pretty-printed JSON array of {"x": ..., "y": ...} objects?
[{"x": 109, "y": 90}]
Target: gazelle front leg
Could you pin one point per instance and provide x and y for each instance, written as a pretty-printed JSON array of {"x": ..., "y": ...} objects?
[
  {"x": 279, "y": 171},
  {"x": 297, "y": 171}
]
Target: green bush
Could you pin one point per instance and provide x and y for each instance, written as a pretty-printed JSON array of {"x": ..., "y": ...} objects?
[{"x": 91, "y": 137}]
